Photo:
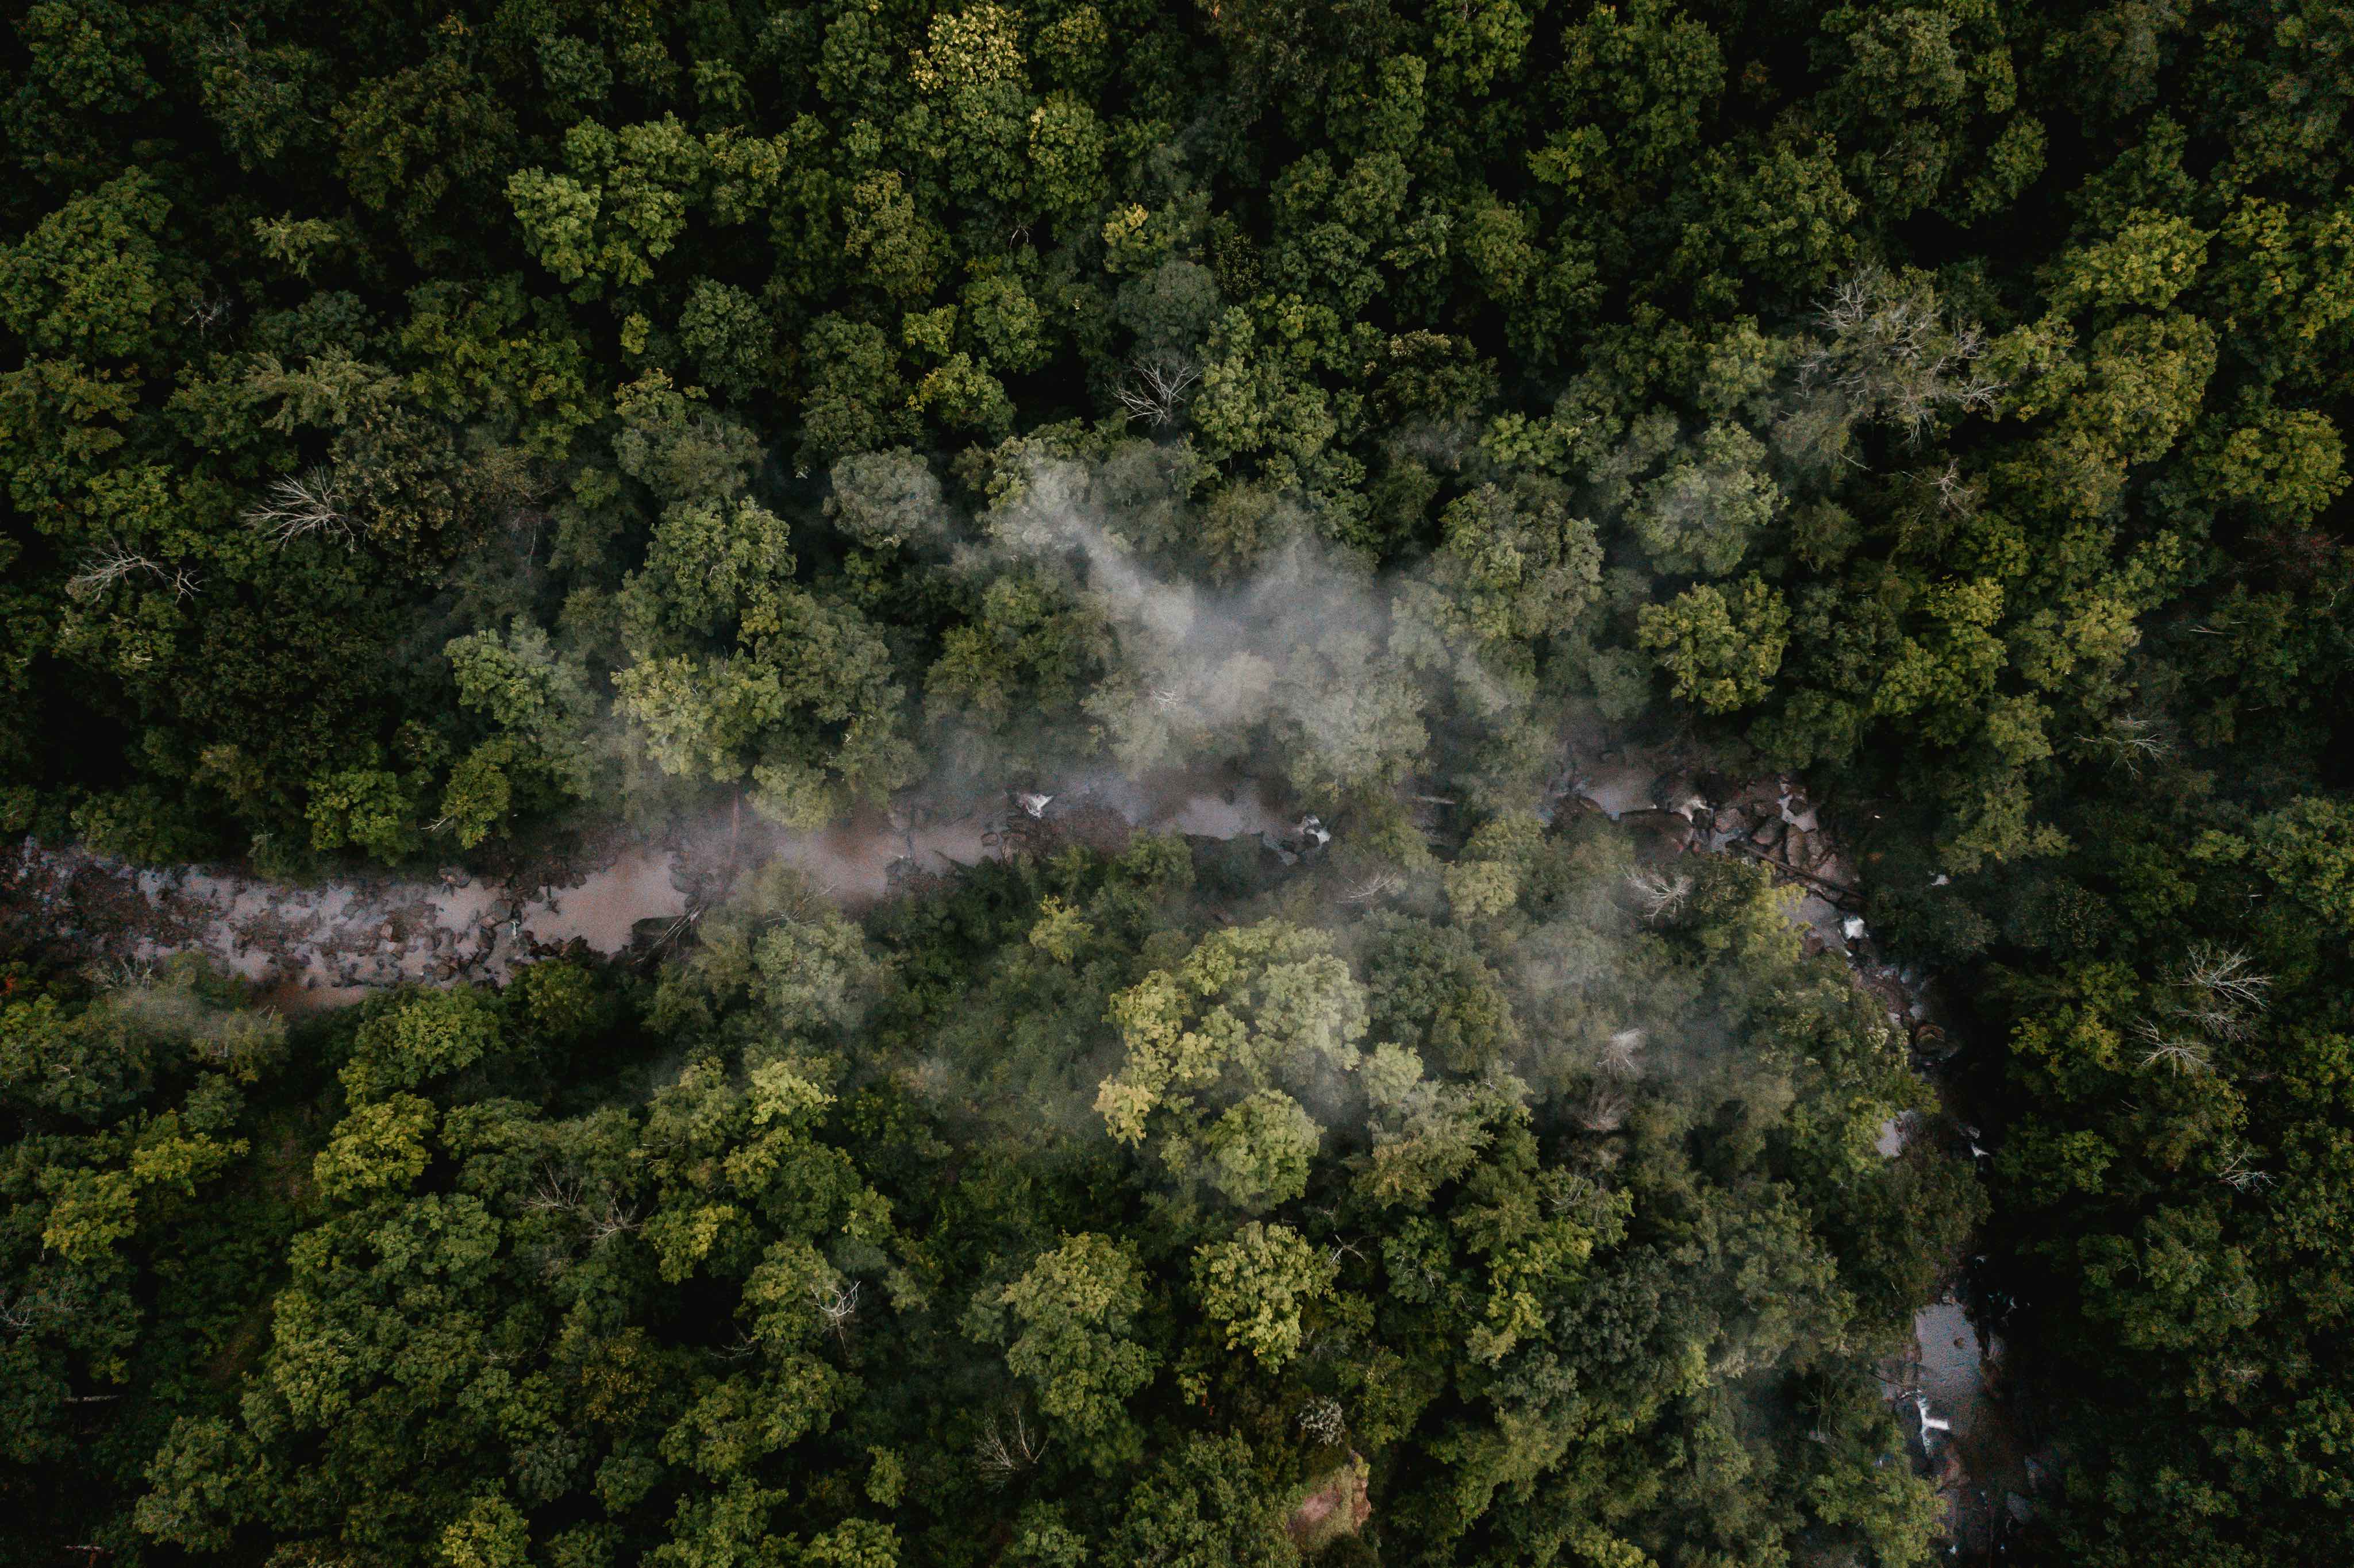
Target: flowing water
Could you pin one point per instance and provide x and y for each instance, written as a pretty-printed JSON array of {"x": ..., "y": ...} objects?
[
  {"x": 325, "y": 944},
  {"x": 319, "y": 946}
]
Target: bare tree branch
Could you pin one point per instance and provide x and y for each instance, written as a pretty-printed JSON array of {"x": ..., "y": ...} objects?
[
  {"x": 1155, "y": 388},
  {"x": 117, "y": 562},
  {"x": 837, "y": 1306},
  {"x": 2183, "y": 1055},
  {"x": 1659, "y": 894},
  {"x": 2132, "y": 743},
  {"x": 297, "y": 505},
  {"x": 1007, "y": 1447}
]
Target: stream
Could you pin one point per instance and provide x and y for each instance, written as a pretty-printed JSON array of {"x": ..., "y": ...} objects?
[
  {"x": 321, "y": 944},
  {"x": 330, "y": 943}
]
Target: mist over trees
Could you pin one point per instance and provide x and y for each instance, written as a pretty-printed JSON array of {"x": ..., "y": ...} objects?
[
  {"x": 603, "y": 1269},
  {"x": 423, "y": 426}
]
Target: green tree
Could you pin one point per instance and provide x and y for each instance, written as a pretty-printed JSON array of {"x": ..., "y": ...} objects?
[
  {"x": 366, "y": 809},
  {"x": 1703, "y": 515},
  {"x": 730, "y": 338},
  {"x": 1720, "y": 651},
  {"x": 738, "y": 671},
  {"x": 92, "y": 280},
  {"x": 1202, "y": 1504},
  {"x": 1268, "y": 1004},
  {"x": 1255, "y": 1287},
  {"x": 1075, "y": 1343}
]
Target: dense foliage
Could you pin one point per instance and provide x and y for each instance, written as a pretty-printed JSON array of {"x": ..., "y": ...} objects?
[
  {"x": 852, "y": 1247},
  {"x": 424, "y": 422}
]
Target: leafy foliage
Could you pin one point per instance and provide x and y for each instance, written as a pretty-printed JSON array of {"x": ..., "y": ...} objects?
[
  {"x": 417, "y": 429},
  {"x": 857, "y": 1275}
]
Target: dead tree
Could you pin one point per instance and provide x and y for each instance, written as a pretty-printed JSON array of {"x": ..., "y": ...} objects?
[
  {"x": 1891, "y": 357},
  {"x": 1659, "y": 894},
  {"x": 837, "y": 1306},
  {"x": 1324, "y": 1420},
  {"x": 117, "y": 563},
  {"x": 2226, "y": 975},
  {"x": 1156, "y": 384},
  {"x": 301, "y": 505},
  {"x": 1007, "y": 1447}
]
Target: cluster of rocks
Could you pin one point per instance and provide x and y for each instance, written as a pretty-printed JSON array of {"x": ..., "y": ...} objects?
[
  {"x": 421, "y": 939},
  {"x": 1772, "y": 820},
  {"x": 1039, "y": 824},
  {"x": 1775, "y": 821},
  {"x": 1960, "y": 1433},
  {"x": 1303, "y": 839}
]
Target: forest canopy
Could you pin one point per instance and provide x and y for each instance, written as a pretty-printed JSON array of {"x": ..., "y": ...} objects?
[
  {"x": 427, "y": 427},
  {"x": 844, "y": 1245}
]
